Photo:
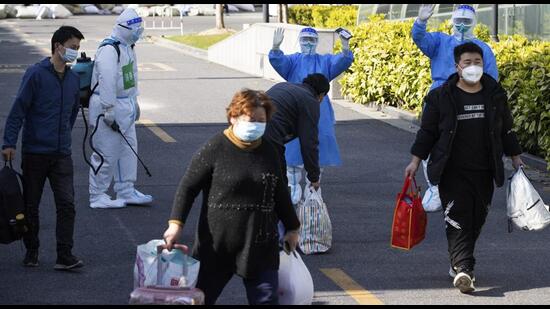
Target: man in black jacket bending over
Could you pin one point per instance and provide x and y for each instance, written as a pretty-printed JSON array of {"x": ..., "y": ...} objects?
[
  {"x": 297, "y": 108},
  {"x": 466, "y": 127}
]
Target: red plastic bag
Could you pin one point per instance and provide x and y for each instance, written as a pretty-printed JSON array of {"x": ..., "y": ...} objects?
[{"x": 409, "y": 218}]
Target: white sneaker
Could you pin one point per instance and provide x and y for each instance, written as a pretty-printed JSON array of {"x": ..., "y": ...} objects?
[
  {"x": 105, "y": 201},
  {"x": 136, "y": 198},
  {"x": 452, "y": 273},
  {"x": 464, "y": 283}
]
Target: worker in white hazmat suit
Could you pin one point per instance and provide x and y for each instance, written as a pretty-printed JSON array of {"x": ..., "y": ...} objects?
[{"x": 115, "y": 72}]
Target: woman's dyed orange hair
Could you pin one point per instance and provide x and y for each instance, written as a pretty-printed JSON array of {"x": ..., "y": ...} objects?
[{"x": 246, "y": 100}]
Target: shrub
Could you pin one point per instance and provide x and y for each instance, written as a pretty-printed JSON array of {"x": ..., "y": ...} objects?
[
  {"x": 388, "y": 67},
  {"x": 322, "y": 16},
  {"x": 300, "y": 15},
  {"x": 524, "y": 71}
]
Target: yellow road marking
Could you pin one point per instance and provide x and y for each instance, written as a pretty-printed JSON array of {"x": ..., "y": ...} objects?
[
  {"x": 157, "y": 131},
  {"x": 352, "y": 288},
  {"x": 155, "y": 67},
  {"x": 164, "y": 67}
]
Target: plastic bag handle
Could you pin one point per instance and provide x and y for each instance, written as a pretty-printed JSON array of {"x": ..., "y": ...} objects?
[
  {"x": 183, "y": 248},
  {"x": 160, "y": 271},
  {"x": 316, "y": 193},
  {"x": 407, "y": 186}
]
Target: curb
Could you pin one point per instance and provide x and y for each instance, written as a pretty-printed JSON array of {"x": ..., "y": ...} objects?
[
  {"x": 397, "y": 113},
  {"x": 529, "y": 159},
  {"x": 534, "y": 162},
  {"x": 186, "y": 49}
]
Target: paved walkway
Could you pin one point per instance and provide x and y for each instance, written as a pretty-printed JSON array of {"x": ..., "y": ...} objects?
[{"x": 183, "y": 103}]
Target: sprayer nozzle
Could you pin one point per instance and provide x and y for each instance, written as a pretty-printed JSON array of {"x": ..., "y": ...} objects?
[{"x": 115, "y": 126}]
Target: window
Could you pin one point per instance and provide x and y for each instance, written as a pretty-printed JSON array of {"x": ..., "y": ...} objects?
[
  {"x": 483, "y": 6},
  {"x": 445, "y": 8},
  {"x": 383, "y": 9},
  {"x": 365, "y": 10},
  {"x": 412, "y": 10},
  {"x": 395, "y": 11}
]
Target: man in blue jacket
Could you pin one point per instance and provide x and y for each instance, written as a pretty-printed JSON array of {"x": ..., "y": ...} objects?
[
  {"x": 46, "y": 106},
  {"x": 439, "y": 46}
]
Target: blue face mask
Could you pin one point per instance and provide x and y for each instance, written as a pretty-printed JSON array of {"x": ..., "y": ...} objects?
[
  {"x": 70, "y": 55},
  {"x": 249, "y": 131}
]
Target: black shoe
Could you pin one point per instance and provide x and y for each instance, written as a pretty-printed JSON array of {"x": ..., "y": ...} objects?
[
  {"x": 31, "y": 258},
  {"x": 68, "y": 262}
]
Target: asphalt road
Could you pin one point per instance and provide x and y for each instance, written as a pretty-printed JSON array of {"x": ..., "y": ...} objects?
[{"x": 186, "y": 98}]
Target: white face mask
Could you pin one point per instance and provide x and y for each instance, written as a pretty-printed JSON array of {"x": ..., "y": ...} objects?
[
  {"x": 472, "y": 74},
  {"x": 248, "y": 131}
]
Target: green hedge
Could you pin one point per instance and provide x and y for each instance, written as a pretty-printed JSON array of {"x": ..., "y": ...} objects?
[
  {"x": 390, "y": 69},
  {"x": 524, "y": 69},
  {"x": 322, "y": 16}
]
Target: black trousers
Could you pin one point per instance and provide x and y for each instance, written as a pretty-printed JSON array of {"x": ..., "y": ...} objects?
[
  {"x": 59, "y": 171},
  {"x": 465, "y": 196},
  {"x": 261, "y": 290}
]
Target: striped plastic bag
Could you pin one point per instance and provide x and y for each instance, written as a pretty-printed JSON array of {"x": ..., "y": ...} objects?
[{"x": 316, "y": 229}]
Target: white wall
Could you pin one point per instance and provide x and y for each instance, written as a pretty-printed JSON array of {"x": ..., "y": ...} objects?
[{"x": 248, "y": 50}]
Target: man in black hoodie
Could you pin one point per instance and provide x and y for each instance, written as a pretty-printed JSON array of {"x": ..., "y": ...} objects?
[
  {"x": 297, "y": 110},
  {"x": 466, "y": 128}
]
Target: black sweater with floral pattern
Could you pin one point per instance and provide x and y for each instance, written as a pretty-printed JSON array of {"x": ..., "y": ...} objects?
[{"x": 244, "y": 196}]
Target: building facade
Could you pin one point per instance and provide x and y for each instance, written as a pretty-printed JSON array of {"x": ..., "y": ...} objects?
[{"x": 531, "y": 20}]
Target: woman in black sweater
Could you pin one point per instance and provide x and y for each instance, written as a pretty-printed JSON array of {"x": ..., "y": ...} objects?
[{"x": 244, "y": 196}]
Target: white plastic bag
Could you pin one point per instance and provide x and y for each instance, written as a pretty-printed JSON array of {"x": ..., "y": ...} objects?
[
  {"x": 90, "y": 9},
  {"x": 295, "y": 282},
  {"x": 3, "y": 11},
  {"x": 27, "y": 11},
  {"x": 52, "y": 11},
  {"x": 316, "y": 228},
  {"x": 525, "y": 208},
  {"x": 431, "y": 200},
  {"x": 175, "y": 267},
  {"x": 11, "y": 9}
]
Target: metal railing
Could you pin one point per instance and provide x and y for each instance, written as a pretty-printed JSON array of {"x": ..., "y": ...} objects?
[{"x": 162, "y": 16}]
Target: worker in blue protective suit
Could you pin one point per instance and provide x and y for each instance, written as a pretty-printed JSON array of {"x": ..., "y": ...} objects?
[
  {"x": 294, "y": 68},
  {"x": 115, "y": 72},
  {"x": 439, "y": 46}
]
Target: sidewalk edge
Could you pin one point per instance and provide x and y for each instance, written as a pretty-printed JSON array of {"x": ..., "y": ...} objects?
[{"x": 186, "y": 49}]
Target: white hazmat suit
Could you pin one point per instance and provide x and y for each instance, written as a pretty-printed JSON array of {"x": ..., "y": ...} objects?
[{"x": 115, "y": 97}]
